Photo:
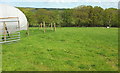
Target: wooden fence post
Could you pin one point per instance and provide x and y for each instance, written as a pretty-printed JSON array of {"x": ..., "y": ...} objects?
[
  {"x": 54, "y": 27},
  {"x": 41, "y": 25},
  {"x": 44, "y": 26},
  {"x": 51, "y": 26},
  {"x": 27, "y": 28},
  {"x": 18, "y": 23},
  {"x": 4, "y": 31}
]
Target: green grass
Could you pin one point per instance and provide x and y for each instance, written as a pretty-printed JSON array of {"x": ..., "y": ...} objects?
[{"x": 67, "y": 49}]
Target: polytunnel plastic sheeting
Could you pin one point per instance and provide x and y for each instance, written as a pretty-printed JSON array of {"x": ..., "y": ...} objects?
[{"x": 10, "y": 11}]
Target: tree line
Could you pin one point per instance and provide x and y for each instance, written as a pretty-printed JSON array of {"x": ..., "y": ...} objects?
[{"x": 81, "y": 16}]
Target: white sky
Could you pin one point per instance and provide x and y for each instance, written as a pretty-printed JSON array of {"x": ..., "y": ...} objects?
[
  {"x": 61, "y": 3},
  {"x": 59, "y": 0}
]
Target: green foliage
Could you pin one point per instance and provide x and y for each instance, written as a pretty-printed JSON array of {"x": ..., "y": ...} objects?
[
  {"x": 67, "y": 49},
  {"x": 111, "y": 17},
  {"x": 82, "y": 16},
  {"x": 98, "y": 13},
  {"x": 67, "y": 17}
]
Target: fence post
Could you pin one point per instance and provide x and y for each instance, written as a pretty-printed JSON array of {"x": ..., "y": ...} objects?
[
  {"x": 44, "y": 26},
  {"x": 41, "y": 25},
  {"x": 27, "y": 28},
  {"x": 51, "y": 26},
  {"x": 18, "y": 23},
  {"x": 4, "y": 31},
  {"x": 54, "y": 27}
]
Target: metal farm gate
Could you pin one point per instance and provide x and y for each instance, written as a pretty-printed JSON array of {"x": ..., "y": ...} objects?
[{"x": 9, "y": 29}]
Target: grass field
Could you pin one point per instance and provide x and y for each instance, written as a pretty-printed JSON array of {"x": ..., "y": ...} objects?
[{"x": 67, "y": 49}]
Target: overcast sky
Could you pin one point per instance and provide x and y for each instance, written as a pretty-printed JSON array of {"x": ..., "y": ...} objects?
[{"x": 60, "y": 3}]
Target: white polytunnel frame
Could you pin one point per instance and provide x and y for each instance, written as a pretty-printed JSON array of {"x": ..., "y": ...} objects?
[{"x": 12, "y": 20}]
